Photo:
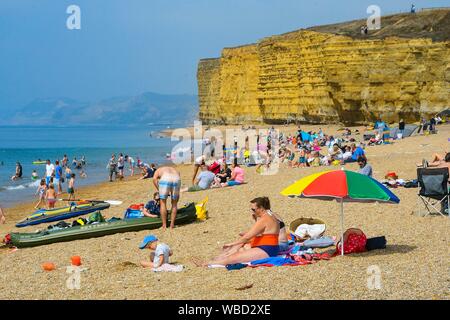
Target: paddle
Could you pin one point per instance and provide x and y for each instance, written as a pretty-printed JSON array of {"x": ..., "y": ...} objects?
[{"x": 111, "y": 202}]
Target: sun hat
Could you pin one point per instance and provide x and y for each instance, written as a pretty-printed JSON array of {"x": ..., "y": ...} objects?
[{"x": 147, "y": 240}]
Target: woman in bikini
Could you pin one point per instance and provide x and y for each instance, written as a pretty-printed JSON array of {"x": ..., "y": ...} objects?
[{"x": 263, "y": 238}]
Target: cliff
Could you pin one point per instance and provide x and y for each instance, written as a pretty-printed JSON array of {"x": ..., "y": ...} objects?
[{"x": 333, "y": 74}]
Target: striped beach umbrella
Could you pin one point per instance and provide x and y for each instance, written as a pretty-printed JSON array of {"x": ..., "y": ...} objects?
[{"x": 342, "y": 185}]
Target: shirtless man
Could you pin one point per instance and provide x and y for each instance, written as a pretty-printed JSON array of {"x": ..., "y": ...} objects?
[{"x": 167, "y": 181}]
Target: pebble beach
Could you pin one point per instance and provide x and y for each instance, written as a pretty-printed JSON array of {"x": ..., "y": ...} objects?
[{"x": 415, "y": 264}]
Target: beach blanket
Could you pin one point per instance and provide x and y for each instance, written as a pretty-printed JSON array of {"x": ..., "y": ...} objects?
[{"x": 274, "y": 262}]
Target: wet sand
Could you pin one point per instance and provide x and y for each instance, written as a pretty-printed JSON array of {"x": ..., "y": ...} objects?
[{"x": 414, "y": 265}]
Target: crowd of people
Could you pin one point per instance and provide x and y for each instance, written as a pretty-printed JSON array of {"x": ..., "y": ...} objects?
[
  {"x": 116, "y": 167},
  {"x": 56, "y": 174}
]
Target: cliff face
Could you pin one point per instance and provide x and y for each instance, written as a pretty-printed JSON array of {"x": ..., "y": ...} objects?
[{"x": 311, "y": 76}]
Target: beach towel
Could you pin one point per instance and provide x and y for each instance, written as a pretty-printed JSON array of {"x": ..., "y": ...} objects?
[
  {"x": 166, "y": 267},
  {"x": 273, "y": 262},
  {"x": 312, "y": 230}
]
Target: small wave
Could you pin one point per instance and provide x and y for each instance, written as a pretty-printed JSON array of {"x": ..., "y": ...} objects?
[{"x": 21, "y": 186}]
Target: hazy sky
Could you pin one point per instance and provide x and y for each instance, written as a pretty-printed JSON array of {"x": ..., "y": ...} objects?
[{"x": 127, "y": 47}]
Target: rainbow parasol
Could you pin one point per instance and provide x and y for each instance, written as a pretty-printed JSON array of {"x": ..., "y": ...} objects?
[{"x": 342, "y": 185}]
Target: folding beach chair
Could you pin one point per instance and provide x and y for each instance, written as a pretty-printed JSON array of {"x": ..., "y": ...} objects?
[{"x": 433, "y": 192}]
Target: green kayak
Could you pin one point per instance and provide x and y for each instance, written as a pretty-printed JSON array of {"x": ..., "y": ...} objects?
[
  {"x": 185, "y": 215},
  {"x": 39, "y": 162}
]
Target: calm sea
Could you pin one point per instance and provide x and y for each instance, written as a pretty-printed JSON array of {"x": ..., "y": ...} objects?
[{"x": 26, "y": 144}]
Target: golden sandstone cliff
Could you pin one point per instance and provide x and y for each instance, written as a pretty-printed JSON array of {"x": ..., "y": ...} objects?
[{"x": 333, "y": 74}]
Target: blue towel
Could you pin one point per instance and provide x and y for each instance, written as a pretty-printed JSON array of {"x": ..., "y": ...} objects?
[
  {"x": 235, "y": 266},
  {"x": 274, "y": 261}
]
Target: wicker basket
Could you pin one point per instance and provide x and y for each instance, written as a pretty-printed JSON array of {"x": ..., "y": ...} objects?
[{"x": 294, "y": 224}]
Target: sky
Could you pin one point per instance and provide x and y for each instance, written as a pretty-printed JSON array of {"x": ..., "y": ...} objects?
[{"x": 127, "y": 47}]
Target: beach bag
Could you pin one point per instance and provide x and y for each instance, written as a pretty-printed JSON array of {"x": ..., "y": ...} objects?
[
  {"x": 95, "y": 217},
  {"x": 214, "y": 167},
  {"x": 376, "y": 243},
  {"x": 412, "y": 184},
  {"x": 355, "y": 242},
  {"x": 133, "y": 214},
  {"x": 79, "y": 222},
  {"x": 137, "y": 206},
  {"x": 200, "y": 208}
]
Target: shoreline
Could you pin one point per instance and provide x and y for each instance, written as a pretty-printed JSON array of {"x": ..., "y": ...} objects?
[{"x": 332, "y": 129}]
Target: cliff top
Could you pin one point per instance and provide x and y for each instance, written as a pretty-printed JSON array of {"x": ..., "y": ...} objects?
[{"x": 434, "y": 24}]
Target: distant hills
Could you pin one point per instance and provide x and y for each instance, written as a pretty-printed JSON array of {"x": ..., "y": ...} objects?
[{"x": 144, "y": 109}]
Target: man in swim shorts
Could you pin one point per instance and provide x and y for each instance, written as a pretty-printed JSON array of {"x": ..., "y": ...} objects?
[{"x": 167, "y": 181}]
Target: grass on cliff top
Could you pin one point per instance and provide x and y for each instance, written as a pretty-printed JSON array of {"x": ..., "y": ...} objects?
[{"x": 434, "y": 24}]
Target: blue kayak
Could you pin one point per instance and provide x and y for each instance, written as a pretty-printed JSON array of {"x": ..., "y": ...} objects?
[{"x": 75, "y": 210}]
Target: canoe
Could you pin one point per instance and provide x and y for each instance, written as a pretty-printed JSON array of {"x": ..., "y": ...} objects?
[
  {"x": 44, "y": 215},
  {"x": 22, "y": 240},
  {"x": 39, "y": 162}
]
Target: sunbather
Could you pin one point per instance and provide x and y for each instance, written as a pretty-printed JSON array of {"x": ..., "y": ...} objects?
[
  {"x": 440, "y": 162},
  {"x": 222, "y": 176},
  {"x": 437, "y": 160},
  {"x": 204, "y": 179},
  {"x": 237, "y": 176},
  {"x": 263, "y": 237}
]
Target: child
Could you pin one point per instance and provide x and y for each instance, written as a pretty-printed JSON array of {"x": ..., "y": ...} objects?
[
  {"x": 70, "y": 187},
  {"x": 301, "y": 162},
  {"x": 41, "y": 190},
  {"x": 302, "y": 158},
  {"x": 83, "y": 174},
  {"x": 161, "y": 253},
  {"x": 152, "y": 208},
  {"x": 34, "y": 175},
  {"x": 50, "y": 196}
]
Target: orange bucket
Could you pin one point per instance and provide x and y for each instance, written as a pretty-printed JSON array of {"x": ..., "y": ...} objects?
[
  {"x": 48, "y": 266},
  {"x": 76, "y": 260}
]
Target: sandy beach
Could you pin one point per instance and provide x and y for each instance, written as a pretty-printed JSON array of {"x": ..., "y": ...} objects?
[{"x": 415, "y": 264}]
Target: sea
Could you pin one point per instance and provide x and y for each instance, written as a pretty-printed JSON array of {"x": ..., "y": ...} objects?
[{"x": 96, "y": 144}]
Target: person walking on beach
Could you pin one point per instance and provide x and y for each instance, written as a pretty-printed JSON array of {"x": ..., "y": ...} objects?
[
  {"x": 50, "y": 196},
  {"x": 167, "y": 181},
  {"x": 432, "y": 127},
  {"x": 131, "y": 161},
  {"x": 68, "y": 173},
  {"x": 41, "y": 191},
  {"x": 64, "y": 161},
  {"x": 71, "y": 187},
  {"x": 49, "y": 172},
  {"x": 422, "y": 126},
  {"x": 2, "y": 216},
  {"x": 58, "y": 176},
  {"x": 401, "y": 128},
  {"x": 121, "y": 165},
  {"x": 112, "y": 166}
]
